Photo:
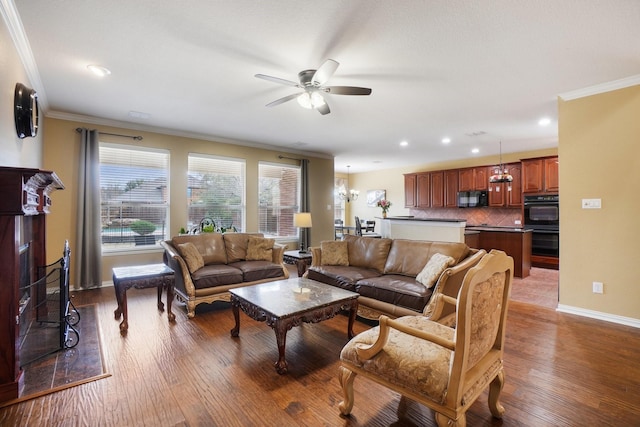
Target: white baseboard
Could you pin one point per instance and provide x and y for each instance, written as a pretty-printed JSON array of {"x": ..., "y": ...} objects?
[{"x": 629, "y": 321}]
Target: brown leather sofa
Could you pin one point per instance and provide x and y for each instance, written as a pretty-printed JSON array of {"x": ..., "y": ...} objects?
[
  {"x": 383, "y": 271},
  {"x": 225, "y": 261}
]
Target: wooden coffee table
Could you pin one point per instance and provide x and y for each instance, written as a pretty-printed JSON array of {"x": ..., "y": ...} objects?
[{"x": 284, "y": 304}]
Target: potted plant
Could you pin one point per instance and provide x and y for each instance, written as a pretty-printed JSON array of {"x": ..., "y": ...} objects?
[{"x": 143, "y": 230}]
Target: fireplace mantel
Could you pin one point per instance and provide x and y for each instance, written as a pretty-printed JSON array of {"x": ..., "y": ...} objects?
[{"x": 24, "y": 202}]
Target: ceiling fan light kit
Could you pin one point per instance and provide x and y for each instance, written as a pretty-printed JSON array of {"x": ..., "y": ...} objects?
[{"x": 312, "y": 81}]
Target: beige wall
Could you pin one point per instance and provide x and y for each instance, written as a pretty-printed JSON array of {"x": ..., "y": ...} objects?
[
  {"x": 14, "y": 152},
  {"x": 61, "y": 151},
  {"x": 599, "y": 155}
]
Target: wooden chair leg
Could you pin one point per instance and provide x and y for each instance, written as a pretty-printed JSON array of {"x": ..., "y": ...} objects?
[
  {"x": 444, "y": 421},
  {"x": 494, "y": 395},
  {"x": 346, "y": 381}
]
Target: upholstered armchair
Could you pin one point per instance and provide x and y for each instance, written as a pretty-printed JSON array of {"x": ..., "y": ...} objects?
[{"x": 445, "y": 369}]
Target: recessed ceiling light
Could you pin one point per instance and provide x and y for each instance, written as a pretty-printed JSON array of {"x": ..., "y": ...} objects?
[
  {"x": 446, "y": 140},
  {"x": 404, "y": 144},
  {"x": 475, "y": 150},
  {"x": 98, "y": 70},
  {"x": 545, "y": 121},
  {"x": 139, "y": 115}
]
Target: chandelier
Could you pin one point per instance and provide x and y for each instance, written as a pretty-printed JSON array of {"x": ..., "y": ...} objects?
[
  {"x": 500, "y": 174},
  {"x": 345, "y": 194}
]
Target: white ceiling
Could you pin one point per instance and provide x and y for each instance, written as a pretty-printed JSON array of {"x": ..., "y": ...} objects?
[{"x": 437, "y": 68}]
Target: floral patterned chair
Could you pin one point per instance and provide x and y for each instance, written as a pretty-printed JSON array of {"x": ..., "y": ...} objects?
[{"x": 445, "y": 369}]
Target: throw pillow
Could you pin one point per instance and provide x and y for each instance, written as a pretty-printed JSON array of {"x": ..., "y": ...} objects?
[
  {"x": 260, "y": 249},
  {"x": 334, "y": 252},
  {"x": 191, "y": 256},
  {"x": 434, "y": 268}
]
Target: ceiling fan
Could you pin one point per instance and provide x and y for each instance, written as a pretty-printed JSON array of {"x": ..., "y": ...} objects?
[{"x": 312, "y": 82}]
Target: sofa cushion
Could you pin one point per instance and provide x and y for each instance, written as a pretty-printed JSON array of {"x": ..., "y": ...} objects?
[
  {"x": 258, "y": 270},
  {"x": 236, "y": 245},
  {"x": 368, "y": 252},
  {"x": 260, "y": 249},
  {"x": 191, "y": 256},
  {"x": 340, "y": 276},
  {"x": 216, "y": 275},
  {"x": 395, "y": 289},
  {"x": 210, "y": 246},
  {"x": 334, "y": 252},
  {"x": 408, "y": 257},
  {"x": 434, "y": 268}
]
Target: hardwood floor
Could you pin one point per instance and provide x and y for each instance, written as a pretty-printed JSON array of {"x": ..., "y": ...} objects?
[{"x": 561, "y": 370}]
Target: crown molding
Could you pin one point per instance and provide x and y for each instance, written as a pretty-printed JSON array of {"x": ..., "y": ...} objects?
[
  {"x": 21, "y": 42},
  {"x": 172, "y": 132},
  {"x": 601, "y": 88}
]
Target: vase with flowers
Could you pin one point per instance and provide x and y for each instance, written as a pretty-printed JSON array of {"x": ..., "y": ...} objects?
[{"x": 385, "y": 205}]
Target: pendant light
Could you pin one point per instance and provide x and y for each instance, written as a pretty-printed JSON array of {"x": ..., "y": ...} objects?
[
  {"x": 346, "y": 194},
  {"x": 500, "y": 175}
]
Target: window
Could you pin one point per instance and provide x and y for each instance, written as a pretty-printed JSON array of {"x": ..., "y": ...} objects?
[
  {"x": 278, "y": 199},
  {"x": 216, "y": 190},
  {"x": 134, "y": 198},
  {"x": 338, "y": 202}
]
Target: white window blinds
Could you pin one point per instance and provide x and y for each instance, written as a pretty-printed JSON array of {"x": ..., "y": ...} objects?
[{"x": 279, "y": 199}]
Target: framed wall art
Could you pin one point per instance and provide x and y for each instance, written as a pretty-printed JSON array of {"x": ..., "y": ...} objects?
[{"x": 374, "y": 196}]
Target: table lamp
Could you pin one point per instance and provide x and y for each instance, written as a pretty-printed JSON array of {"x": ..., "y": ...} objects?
[{"x": 302, "y": 220}]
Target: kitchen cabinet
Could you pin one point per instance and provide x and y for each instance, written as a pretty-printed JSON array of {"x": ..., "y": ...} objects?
[
  {"x": 514, "y": 241},
  {"x": 499, "y": 193},
  {"x": 423, "y": 190},
  {"x": 472, "y": 179},
  {"x": 540, "y": 175},
  {"x": 437, "y": 189},
  {"x": 410, "y": 190},
  {"x": 451, "y": 188}
]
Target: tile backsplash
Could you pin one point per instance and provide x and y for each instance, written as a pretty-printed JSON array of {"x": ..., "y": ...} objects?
[{"x": 474, "y": 216}]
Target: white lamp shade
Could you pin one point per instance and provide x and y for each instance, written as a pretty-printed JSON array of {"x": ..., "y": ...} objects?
[{"x": 302, "y": 219}]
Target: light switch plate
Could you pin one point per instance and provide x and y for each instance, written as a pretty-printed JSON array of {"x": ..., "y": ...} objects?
[{"x": 591, "y": 203}]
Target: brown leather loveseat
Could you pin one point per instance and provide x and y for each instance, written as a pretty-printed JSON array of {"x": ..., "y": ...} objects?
[
  {"x": 392, "y": 275},
  {"x": 207, "y": 265}
]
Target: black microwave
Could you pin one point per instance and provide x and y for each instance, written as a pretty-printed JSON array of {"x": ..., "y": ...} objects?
[{"x": 472, "y": 199}]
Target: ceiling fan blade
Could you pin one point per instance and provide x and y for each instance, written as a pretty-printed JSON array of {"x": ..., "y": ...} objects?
[
  {"x": 323, "y": 109},
  {"x": 284, "y": 99},
  {"x": 325, "y": 72},
  {"x": 348, "y": 90},
  {"x": 277, "y": 80}
]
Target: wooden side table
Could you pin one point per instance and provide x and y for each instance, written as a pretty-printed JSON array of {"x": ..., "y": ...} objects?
[
  {"x": 142, "y": 276},
  {"x": 299, "y": 259}
]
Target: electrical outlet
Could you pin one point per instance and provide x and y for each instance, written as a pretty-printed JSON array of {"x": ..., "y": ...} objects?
[
  {"x": 518, "y": 222},
  {"x": 598, "y": 288}
]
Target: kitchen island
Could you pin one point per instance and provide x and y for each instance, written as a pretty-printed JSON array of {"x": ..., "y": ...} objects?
[
  {"x": 408, "y": 227},
  {"x": 516, "y": 242}
]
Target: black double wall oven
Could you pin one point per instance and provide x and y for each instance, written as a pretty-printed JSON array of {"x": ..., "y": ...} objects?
[{"x": 542, "y": 215}]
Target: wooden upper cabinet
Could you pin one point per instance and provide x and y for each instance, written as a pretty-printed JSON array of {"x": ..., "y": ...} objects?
[
  {"x": 437, "y": 189},
  {"x": 465, "y": 179},
  {"x": 410, "y": 190},
  {"x": 540, "y": 175},
  {"x": 532, "y": 176},
  {"x": 423, "y": 190},
  {"x": 481, "y": 178},
  {"x": 451, "y": 188},
  {"x": 471, "y": 179},
  {"x": 551, "y": 181},
  {"x": 514, "y": 197}
]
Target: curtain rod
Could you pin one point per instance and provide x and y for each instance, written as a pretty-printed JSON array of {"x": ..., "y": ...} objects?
[
  {"x": 290, "y": 158},
  {"x": 137, "y": 137}
]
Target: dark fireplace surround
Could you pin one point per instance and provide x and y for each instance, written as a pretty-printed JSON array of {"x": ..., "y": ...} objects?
[{"x": 24, "y": 204}]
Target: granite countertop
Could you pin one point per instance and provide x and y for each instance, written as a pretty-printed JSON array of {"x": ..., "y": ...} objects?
[
  {"x": 504, "y": 229},
  {"x": 412, "y": 218}
]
